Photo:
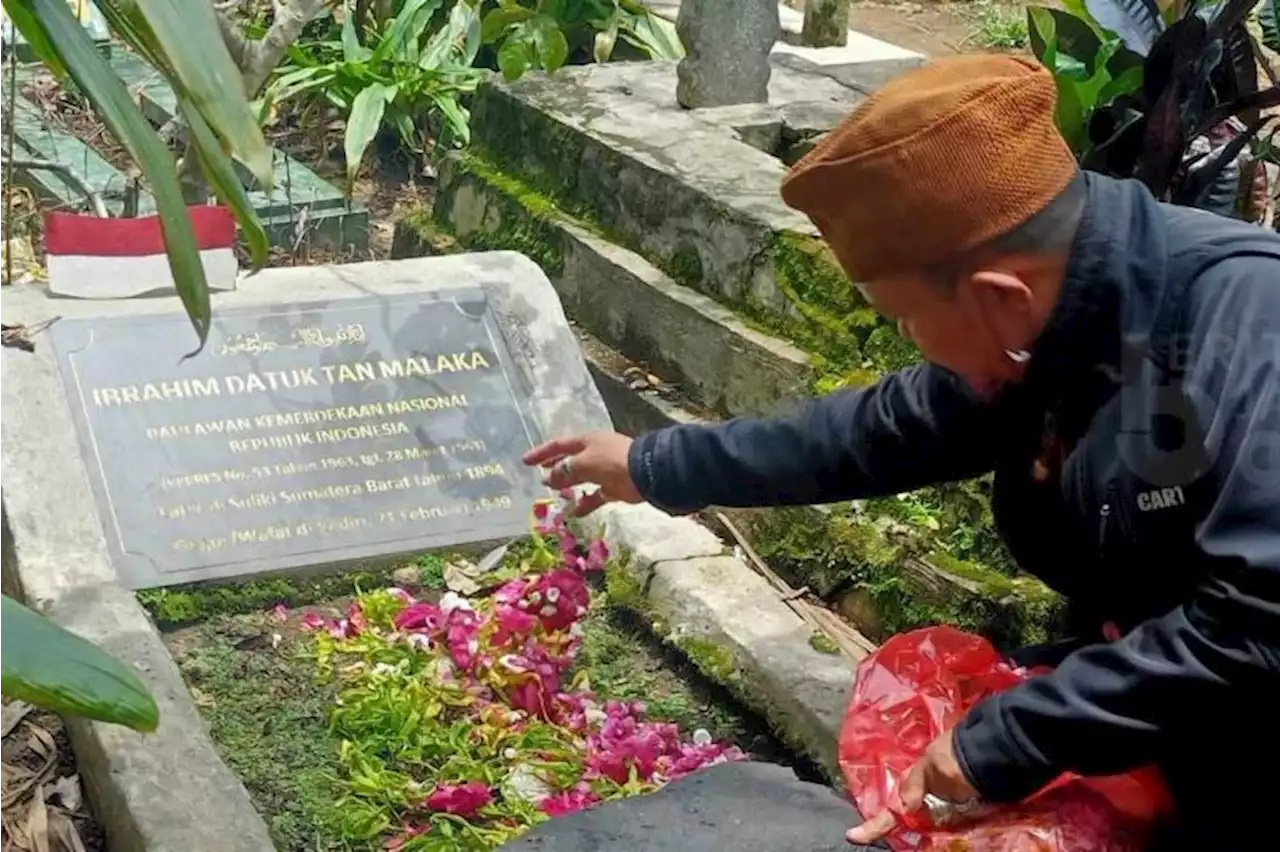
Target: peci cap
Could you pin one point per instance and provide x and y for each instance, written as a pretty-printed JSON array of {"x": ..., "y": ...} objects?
[{"x": 937, "y": 162}]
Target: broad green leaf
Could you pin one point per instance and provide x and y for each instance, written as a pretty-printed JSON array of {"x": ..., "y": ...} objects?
[
  {"x": 22, "y": 17},
  {"x": 1069, "y": 66},
  {"x": 405, "y": 29},
  {"x": 299, "y": 80},
  {"x": 186, "y": 34},
  {"x": 363, "y": 124},
  {"x": 552, "y": 46},
  {"x": 513, "y": 58},
  {"x": 1129, "y": 81},
  {"x": 113, "y": 104},
  {"x": 1042, "y": 31},
  {"x": 1077, "y": 39},
  {"x": 221, "y": 175},
  {"x": 57, "y": 670},
  {"x": 1269, "y": 20},
  {"x": 455, "y": 32},
  {"x": 474, "y": 38},
  {"x": 497, "y": 20},
  {"x": 602, "y": 48},
  {"x": 454, "y": 115},
  {"x": 352, "y": 49},
  {"x": 408, "y": 132},
  {"x": 655, "y": 36}
]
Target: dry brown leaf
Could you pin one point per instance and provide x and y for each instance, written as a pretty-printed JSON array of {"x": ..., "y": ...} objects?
[
  {"x": 13, "y": 713},
  {"x": 38, "y": 824},
  {"x": 63, "y": 831},
  {"x": 41, "y": 741}
]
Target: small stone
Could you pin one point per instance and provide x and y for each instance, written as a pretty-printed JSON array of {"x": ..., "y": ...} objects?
[
  {"x": 653, "y": 380},
  {"x": 727, "y": 45},
  {"x": 458, "y": 577},
  {"x": 638, "y": 384},
  {"x": 408, "y": 578}
]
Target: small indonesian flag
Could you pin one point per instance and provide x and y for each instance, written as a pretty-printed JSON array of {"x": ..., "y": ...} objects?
[{"x": 89, "y": 257}]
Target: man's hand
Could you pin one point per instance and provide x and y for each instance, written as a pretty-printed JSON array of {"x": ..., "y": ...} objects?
[
  {"x": 597, "y": 459},
  {"x": 937, "y": 773}
]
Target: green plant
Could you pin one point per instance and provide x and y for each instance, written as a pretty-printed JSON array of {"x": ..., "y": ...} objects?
[
  {"x": 999, "y": 28},
  {"x": 466, "y": 722},
  {"x": 57, "y": 670},
  {"x": 180, "y": 39},
  {"x": 395, "y": 76},
  {"x": 1170, "y": 98},
  {"x": 547, "y": 33},
  {"x": 422, "y": 60}
]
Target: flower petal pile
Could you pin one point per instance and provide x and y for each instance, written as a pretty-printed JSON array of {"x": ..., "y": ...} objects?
[{"x": 461, "y": 724}]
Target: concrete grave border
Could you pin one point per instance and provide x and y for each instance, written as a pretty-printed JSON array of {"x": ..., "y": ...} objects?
[{"x": 169, "y": 791}]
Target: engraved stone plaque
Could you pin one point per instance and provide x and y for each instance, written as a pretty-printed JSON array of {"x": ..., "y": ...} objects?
[{"x": 301, "y": 435}]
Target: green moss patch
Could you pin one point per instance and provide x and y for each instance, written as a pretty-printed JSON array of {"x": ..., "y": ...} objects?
[
  {"x": 176, "y": 606},
  {"x": 886, "y": 567},
  {"x": 269, "y": 718}
]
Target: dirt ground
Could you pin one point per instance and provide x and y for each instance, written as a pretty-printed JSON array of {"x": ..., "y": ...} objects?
[{"x": 939, "y": 28}]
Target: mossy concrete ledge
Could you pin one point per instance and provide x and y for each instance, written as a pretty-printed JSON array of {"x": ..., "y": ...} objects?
[
  {"x": 686, "y": 189},
  {"x": 616, "y": 295},
  {"x": 730, "y": 623},
  {"x": 166, "y": 791}
]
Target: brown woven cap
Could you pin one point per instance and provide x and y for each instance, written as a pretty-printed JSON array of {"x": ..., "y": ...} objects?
[{"x": 937, "y": 162}]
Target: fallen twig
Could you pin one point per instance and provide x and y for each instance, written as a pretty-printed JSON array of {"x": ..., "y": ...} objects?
[
  {"x": 852, "y": 643},
  {"x": 72, "y": 180}
]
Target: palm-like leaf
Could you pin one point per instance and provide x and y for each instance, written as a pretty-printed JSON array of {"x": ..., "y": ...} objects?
[
  {"x": 47, "y": 665},
  {"x": 180, "y": 38},
  {"x": 57, "y": 670},
  {"x": 1269, "y": 19}
]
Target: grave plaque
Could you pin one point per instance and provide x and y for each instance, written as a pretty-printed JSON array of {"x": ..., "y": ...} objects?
[{"x": 301, "y": 435}]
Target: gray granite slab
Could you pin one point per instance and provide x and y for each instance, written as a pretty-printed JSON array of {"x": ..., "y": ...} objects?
[
  {"x": 336, "y": 414},
  {"x": 344, "y": 429},
  {"x": 743, "y": 807}
]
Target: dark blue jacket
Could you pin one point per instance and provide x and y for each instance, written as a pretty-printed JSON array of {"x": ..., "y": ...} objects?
[{"x": 1152, "y": 399}]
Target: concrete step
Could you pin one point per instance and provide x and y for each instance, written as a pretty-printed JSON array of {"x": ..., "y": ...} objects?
[
  {"x": 695, "y": 192},
  {"x": 861, "y": 62},
  {"x": 719, "y": 362}
]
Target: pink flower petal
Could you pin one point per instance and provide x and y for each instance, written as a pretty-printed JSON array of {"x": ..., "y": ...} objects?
[
  {"x": 311, "y": 621},
  {"x": 279, "y": 612},
  {"x": 459, "y": 799}
]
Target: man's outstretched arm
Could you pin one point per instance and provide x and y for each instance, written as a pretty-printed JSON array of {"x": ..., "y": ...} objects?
[{"x": 913, "y": 428}]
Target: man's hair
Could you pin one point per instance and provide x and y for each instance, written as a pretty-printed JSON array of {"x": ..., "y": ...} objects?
[{"x": 1048, "y": 232}]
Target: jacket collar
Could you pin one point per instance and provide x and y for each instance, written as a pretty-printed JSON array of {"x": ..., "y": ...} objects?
[{"x": 1077, "y": 355}]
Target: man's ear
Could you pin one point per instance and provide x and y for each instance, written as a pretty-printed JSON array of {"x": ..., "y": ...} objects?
[{"x": 1006, "y": 304}]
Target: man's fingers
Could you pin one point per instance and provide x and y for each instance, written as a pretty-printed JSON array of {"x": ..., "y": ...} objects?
[
  {"x": 913, "y": 788},
  {"x": 566, "y": 473},
  {"x": 873, "y": 829},
  {"x": 554, "y": 450},
  {"x": 588, "y": 503}
]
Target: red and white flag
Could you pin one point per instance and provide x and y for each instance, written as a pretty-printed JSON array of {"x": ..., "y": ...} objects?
[{"x": 89, "y": 257}]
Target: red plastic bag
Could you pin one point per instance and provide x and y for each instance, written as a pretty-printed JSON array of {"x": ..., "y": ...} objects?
[{"x": 918, "y": 685}]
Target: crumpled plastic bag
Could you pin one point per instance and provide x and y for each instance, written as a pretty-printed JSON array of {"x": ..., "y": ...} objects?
[{"x": 918, "y": 685}]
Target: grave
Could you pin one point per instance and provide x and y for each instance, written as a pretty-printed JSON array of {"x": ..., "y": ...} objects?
[
  {"x": 128, "y": 461},
  {"x": 302, "y": 209}
]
